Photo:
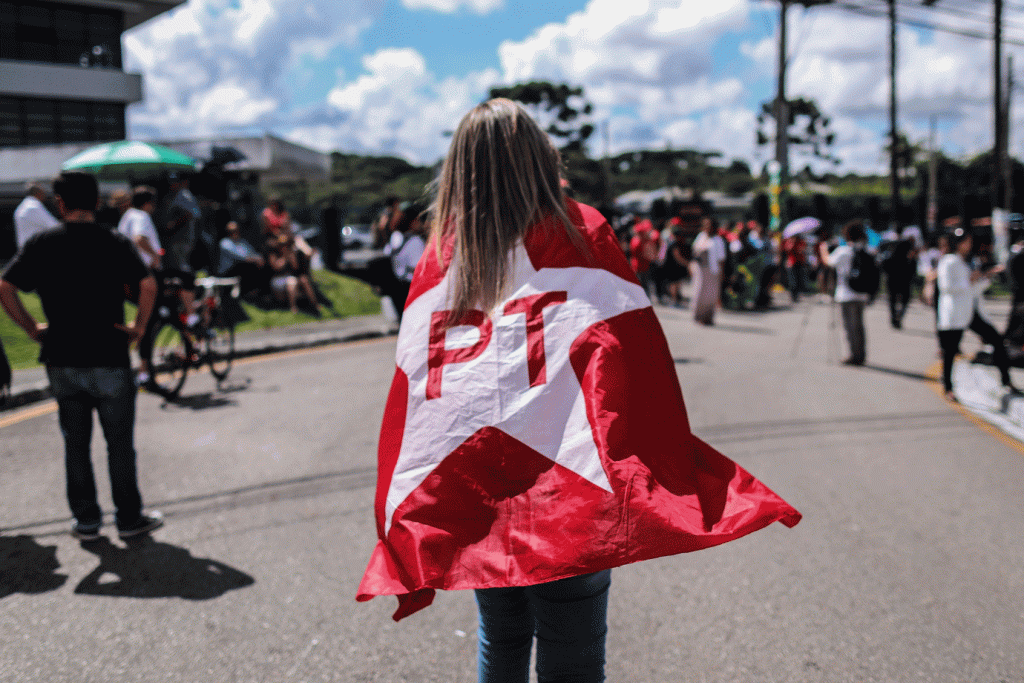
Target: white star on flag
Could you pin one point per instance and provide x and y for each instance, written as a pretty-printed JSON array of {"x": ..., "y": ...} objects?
[{"x": 493, "y": 388}]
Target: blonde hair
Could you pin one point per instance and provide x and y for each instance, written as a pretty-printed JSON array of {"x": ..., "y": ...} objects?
[{"x": 500, "y": 177}]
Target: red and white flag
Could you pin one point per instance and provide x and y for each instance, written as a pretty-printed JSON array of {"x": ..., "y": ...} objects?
[{"x": 546, "y": 440}]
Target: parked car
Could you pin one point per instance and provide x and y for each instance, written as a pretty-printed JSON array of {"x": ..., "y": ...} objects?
[{"x": 356, "y": 236}]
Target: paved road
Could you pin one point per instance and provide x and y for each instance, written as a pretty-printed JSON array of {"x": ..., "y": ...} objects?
[{"x": 906, "y": 567}]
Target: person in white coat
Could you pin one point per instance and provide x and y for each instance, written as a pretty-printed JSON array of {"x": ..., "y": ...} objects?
[
  {"x": 31, "y": 217},
  {"x": 960, "y": 289}
]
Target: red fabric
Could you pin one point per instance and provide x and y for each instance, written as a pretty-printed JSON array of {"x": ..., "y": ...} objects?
[{"x": 494, "y": 512}]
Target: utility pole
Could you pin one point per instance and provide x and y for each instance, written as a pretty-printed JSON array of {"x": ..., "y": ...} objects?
[
  {"x": 1006, "y": 158},
  {"x": 998, "y": 151},
  {"x": 894, "y": 151},
  {"x": 932, "y": 213},
  {"x": 782, "y": 115}
]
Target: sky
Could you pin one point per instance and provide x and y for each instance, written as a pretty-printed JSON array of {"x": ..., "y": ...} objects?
[{"x": 392, "y": 77}]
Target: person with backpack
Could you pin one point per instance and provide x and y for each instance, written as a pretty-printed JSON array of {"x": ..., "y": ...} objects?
[{"x": 857, "y": 278}]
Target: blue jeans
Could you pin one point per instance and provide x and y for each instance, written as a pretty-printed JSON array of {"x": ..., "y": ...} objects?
[
  {"x": 111, "y": 392},
  {"x": 569, "y": 618}
]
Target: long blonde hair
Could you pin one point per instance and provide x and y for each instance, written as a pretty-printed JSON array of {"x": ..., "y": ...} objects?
[{"x": 500, "y": 177}]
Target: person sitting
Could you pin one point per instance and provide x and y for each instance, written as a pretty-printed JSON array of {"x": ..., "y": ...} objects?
[
  {"x": 239, "y": 259},
  {"x": 286, "y": 277}
]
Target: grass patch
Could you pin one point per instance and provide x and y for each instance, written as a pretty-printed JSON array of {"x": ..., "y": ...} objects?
[{"x": 348, "y": 296}]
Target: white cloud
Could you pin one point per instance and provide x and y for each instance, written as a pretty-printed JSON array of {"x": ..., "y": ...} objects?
[
  {"x": 221, "y": 66},
  {"x": 451, "y": 6}
]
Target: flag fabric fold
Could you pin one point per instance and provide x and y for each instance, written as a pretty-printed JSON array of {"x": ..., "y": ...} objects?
[{"x": 546, "y": 439}]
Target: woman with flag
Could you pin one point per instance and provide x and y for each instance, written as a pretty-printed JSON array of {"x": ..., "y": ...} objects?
[{"x": 535, "y": 434}]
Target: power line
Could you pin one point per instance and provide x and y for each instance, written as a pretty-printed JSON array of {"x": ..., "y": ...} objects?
[{"x": 918, "y": 23}]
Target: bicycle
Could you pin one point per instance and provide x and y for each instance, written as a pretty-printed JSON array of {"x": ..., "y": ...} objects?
[{"x": 175, "y": 345}]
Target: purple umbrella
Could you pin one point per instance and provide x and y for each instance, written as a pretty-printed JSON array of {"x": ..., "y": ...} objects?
[{"x": 801, "y": 226}]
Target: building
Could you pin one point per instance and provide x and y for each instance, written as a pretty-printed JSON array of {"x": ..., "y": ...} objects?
[{"x": 62, "y": 86}]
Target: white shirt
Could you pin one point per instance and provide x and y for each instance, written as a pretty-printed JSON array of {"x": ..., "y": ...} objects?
[
  {"x": 841, "y": 259},
  {"x": 31, "y": 218},
  {"x": 136, "y": 223},
  {"x": 404, "y": 262},
  {"x": 715, "y": 247},
  {"x": 959, "y": 298}
]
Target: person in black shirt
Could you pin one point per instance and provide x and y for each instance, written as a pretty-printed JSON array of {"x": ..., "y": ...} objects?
[{"x": 81, "y": 272}]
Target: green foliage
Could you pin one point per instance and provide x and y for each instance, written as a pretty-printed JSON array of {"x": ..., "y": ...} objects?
[
  {"x": 561, "y": 110},
  {"x": 21, "y": 350},
  {"x": 806, "y": 127}
]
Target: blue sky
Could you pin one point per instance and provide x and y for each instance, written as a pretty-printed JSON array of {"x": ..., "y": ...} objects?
[{"x": 390, "y": 76}]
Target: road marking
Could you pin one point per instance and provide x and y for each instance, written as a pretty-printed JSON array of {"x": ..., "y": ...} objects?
[
  {"x": 934, "y": 371},
  {"x": 51, "y": 406},
  {"x": 29, "y": 413}
]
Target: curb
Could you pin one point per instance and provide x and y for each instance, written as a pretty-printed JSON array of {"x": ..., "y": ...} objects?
[{"x": 28, "y": 394}]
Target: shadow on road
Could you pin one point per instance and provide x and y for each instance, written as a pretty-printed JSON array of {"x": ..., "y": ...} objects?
[
  {"x": 27, "y": 567},
  {"x": 744, "y": 329},
  {"x": 203, "y": 401},
  {"x": 900, "y": 373},
  {"x": 148, "y": 568},
  {"x": 686, "y": 361}
]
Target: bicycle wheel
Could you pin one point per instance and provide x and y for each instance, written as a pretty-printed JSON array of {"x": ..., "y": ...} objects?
[
  {"x": 172, "y": 351},
  {"x": 219, "y": 347}
]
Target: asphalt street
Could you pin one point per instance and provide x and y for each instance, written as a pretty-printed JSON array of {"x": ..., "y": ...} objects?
[{"x": 906, "y": 567}]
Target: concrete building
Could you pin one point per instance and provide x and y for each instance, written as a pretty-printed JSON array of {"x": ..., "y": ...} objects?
[{"x": 62, "y": 86}]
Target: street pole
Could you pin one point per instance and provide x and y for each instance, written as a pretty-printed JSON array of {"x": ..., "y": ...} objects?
[
  {"x": 782, "y": 116},
  {"x": 1006, "y": 158},
  {"x": 997, "y": 156},
  {"x": 933, "y": 180},
  {"x": 894, "y": 180}
]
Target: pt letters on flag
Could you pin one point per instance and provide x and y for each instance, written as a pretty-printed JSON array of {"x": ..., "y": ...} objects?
[{"x": 546, "y": 439}]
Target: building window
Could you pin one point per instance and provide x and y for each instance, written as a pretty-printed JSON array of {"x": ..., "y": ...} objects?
[
  {"x": 39, "y": 121},
  {"x": 60, "y": 34}
]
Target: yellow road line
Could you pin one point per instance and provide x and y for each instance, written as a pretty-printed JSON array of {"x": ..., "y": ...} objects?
[
  {"x": 51, "y": 406},
  {"x": 934, "y": 371},
  {"x": 27, "y": 414}
]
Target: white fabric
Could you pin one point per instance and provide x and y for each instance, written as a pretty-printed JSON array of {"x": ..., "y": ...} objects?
[
  {"x": 959, "y": 298},
  {"x": 494, "y": 388},
  {"x": 715, "y": 247},
  {"x": 404, "y": 262},
  {"x": 31, "y": 218},
  {"x": 394, "y": 242},
  {"x": 841, "y": 259},
  {"x": 136, "y": 223}
]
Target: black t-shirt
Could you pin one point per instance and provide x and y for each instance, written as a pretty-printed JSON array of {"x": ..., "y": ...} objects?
[{"x": 81, "y": 272}]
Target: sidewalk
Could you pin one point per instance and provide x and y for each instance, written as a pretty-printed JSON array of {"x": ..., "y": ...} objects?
[{"x": 31, "y": 386}]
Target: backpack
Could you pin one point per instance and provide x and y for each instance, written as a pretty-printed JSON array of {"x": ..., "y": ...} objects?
[{"x": 865, "y": 276}]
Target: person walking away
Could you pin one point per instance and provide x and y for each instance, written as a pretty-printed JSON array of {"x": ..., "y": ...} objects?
[
  {"x": 80, "y": 271},
  {"x": 31, "y": 216},
  {"x": 899, "y": 266},
  {"x": 706, "y": 268},
  {"x": 851, "y": 302},
  {"x": 469, "y": 495},
  {"x": 675, "y": 268},
  {"x": 960, "y": 289}
]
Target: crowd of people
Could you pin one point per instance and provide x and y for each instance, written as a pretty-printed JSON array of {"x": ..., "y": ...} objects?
[{"x": 738, "y": 266}]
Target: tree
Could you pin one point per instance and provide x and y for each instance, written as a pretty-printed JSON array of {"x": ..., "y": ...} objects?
[
  {"x": 560, "y": 110},
  {"x": 807, "y": 128}
]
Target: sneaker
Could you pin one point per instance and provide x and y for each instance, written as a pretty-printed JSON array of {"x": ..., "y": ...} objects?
[
  {"x": 86, "y": 532},
  {"x": 145, "y": 524}
]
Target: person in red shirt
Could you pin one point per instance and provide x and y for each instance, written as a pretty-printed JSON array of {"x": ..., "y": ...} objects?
[
  {"x": 795, "y": 250},
  {"x": 643, "y": 249}
]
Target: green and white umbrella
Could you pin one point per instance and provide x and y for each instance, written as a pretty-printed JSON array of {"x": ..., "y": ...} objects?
[{"x": 118, "y": 160}]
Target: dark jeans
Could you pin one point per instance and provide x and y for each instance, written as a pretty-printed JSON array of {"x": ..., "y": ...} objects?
[
  {"x": 569, "y": 618},
  {"x": 899, "y": 298},
  {"x": 853, "y": 323},
  {"x": 111, "y": 393},
  {"x": 949, "y": 340}
]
